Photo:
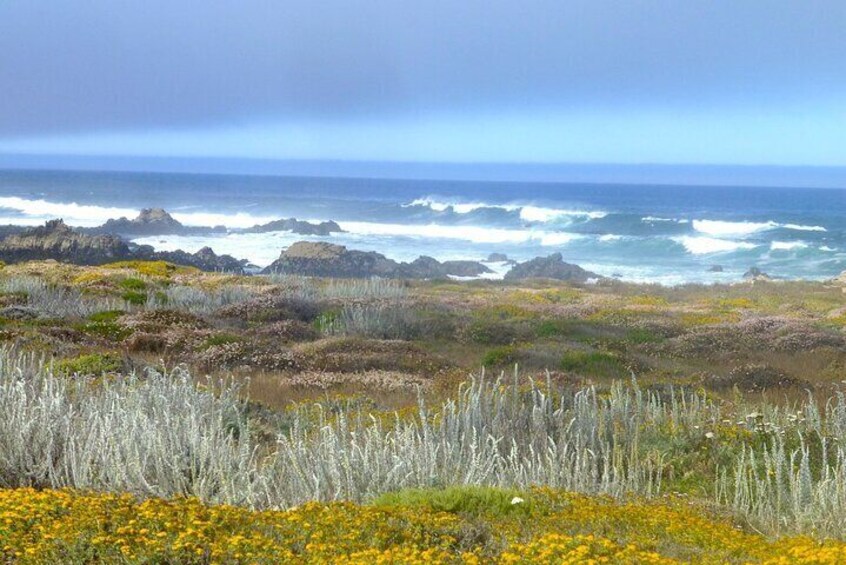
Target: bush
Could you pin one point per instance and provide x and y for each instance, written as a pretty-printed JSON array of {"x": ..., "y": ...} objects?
[
  {"x": 150, "y": 268},
  {"x": 55, "y": 301},
  {"x": 94, "y": 364},
  {"x": 594, "y": 363},
  {"x": 498, "y": 356},
  {"x": 221, "y": 339},
  {"x": 475, "y": 501},
  {"x": 196, "y": 300},
  {"x": 106, "y": 316},
  {"x": 376, "y": 321},
  {"x": 132, "y": 283},
  {"x": 134, "y": 297}
]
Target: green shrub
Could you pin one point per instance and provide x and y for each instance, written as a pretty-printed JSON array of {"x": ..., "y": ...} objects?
[
  {"x": 464, "y": 500},
  {"x": 553, "y": 328},
  {"x": 106, "y": 316},
  {"x": 596, "y": 363},
  {"x": 91, "y": 364},
  {"x": 134, "y": 297},
  {"x": 502, "y": 355},
  {"x": 220, "y": 339},
  {"x": 107, "y": 327},
  {"x": 643, "y": 335},
  {"x": 132, "y": 283}
]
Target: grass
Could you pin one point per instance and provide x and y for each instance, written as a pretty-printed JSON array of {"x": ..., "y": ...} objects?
[
  {"x": 368, "y": 392},
  {"x": 593, "y": 363},
  {"x": 93, "y": 364}
]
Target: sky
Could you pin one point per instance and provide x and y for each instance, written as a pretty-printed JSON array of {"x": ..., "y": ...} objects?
[{"x": 741, "y": 82}]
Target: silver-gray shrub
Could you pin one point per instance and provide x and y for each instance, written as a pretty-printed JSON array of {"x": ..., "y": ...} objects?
[
  {"x": 795, "y": 483},
  {"x": 364, "y": 289},
  {"x": 492, "y": 433},
  {"x": 162, "y": 435},
  {"x": 195, "y": 300},
  {"x": 57, "y": 301},
  {"x": 378, "y": 321},
  {"x": 159, "y": 435}
]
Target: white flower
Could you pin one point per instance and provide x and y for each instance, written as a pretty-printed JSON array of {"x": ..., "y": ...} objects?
[
  {"x": 517, "y": 500},
  {"x": 709, "y": 435}
]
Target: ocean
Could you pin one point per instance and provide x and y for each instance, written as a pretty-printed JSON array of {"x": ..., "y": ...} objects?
[{"x": 667, "y": 234}]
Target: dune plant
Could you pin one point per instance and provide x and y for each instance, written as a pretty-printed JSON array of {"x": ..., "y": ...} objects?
[{"x": 56, "y": 301}]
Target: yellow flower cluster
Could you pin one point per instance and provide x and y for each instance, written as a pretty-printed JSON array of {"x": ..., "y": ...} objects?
[
  {"x": 563, "y": 549},
  {"x": 548, "y": 526}
]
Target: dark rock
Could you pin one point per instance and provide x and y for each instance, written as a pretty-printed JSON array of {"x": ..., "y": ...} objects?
[
  {"x": 55, "y": 240},
  {"x": 205, "y": 259},
  {"x": 497, "y": 258},
  {"x": 151, "y": 221},
  {"x": 715, "y": 269},
  {"x": 551, "y": 267},
  {"x": 321, "y": 259},
  {"x": 297, "y": 226},
  {"x": 464, "y": 268},
  {"x": 429, "y": 268},
  {"x": 756, "y": 274}
]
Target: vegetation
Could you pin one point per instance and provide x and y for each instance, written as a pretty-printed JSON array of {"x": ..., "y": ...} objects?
[{"x": 278, "y": 418}]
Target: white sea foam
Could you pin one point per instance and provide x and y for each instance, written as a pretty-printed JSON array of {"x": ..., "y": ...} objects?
[
  {"x": 610, "y": 237},
  {"x": 724, "y": 228},
  {"x": 787, "y": 245},
  {"x": 803, "y": 228},
  {"x": 38, "y": 211},
  {"x": 653, "y": 219},
  {"x": 705, "y": 245},
  {"x": 33, "y": 212},
  {"x": 528, "y": 213},
  {"x": 237, "y": 220},
  {"x": 474, "y": 234},
  {"x": 558, "y": 238}
]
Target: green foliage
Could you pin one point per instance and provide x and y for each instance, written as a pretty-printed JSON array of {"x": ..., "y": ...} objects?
[
  {"x": 134, "y": 297},
  {"x": 133, "y": 283},
  {"x": 476, "y": 501},
  {"x": 150, "y": 268},
  {"x": 104, "y": 324},
  {"x": 595, "y": 363},
  {"x": 92, "y": 364},
  {"x": 498, "y": 356},
  {"x": 643, "y": 335},
  {"x": 221, "y": 339},
  {"x": 106, "y": 316},
  {"x": 553, "y": 328}
]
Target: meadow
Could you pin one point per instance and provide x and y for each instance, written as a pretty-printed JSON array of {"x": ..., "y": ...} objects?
[{"x": 157, "y": 414}]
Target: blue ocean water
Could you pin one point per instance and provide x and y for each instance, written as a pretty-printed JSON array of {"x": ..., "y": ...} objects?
[{"x": 648, "y": 233}]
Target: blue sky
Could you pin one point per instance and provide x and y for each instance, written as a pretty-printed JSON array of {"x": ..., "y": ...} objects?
[{"x": 750, "y": 82}]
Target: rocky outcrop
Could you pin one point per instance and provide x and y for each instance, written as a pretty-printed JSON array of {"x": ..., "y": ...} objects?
[
  {"x": 715, "y": 269},
  {"x": 205, "y": 259},
  {"x": 55, "y": 240},
  {"x": 297, "y": 226},
  {"x": 151, "y": 221},
  {"x": 499, "y": 258},
  {"x": 756, "y": 274},
  {"x": 429, "y": 268},
  {"x": 551, "y": 267},
  {"x": 321, "y": 259}
]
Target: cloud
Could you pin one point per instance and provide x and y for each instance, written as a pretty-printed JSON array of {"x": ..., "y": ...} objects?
[{"x": 69, "y": 67}]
